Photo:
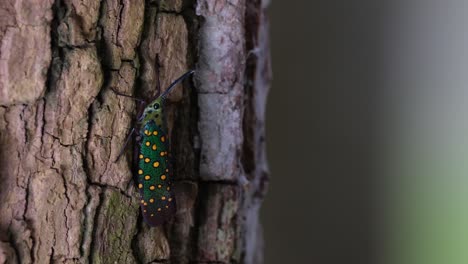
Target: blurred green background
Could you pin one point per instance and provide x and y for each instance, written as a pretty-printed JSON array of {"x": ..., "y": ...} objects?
[{"x": 367, "y": 133}]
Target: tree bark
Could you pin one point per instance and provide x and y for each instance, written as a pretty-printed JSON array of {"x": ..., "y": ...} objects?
[{"x": 63, "y": 199}]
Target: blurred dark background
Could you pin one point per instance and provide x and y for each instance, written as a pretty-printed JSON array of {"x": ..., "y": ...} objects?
[
  {"x": 366, "y": 131},
  {"x": 327, "y": 59}
]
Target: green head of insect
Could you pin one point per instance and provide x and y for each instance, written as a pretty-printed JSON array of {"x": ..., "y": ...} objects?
[{"x": 154, "y": 110}]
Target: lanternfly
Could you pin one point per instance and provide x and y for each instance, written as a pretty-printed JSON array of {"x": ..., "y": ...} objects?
[{"x": 153, "y": 166}]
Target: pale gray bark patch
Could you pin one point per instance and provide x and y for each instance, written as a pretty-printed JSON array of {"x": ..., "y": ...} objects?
[
  {"x": 221, "y": 135},
  {"x": 220, "y": 75},
  {"x": 222, "y": 46}
]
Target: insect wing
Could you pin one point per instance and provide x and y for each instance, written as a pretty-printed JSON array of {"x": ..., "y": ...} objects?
[{"x": 154, "y": 176}]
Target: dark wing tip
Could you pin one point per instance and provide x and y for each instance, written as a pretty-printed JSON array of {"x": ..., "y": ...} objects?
[{"x": 161, "y": 217}]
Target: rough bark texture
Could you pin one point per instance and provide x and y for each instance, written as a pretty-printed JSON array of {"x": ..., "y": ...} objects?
[{"x": 62, "y": 197}]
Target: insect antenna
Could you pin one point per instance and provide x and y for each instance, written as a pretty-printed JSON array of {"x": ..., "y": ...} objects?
[{"x": 173, "y": 84}]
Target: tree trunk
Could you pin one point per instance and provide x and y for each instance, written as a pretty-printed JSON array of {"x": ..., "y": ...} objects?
[{"x": 63, "y": 199}]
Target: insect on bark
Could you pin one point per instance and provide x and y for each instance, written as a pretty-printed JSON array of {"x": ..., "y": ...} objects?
[{"x": 153, "y": 170}]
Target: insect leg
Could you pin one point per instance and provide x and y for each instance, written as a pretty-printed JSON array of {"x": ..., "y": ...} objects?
[
  {"x": 125, "y": 145},
  {"x": 129, "y": 96}
]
